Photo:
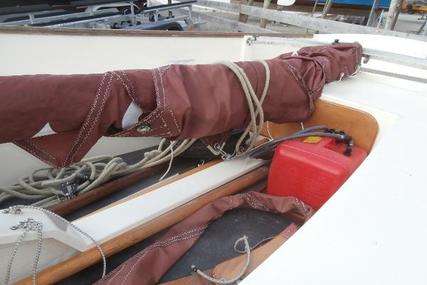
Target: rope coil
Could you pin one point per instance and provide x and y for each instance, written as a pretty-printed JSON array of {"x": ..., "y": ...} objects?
[{"x": 49, "y": 186}]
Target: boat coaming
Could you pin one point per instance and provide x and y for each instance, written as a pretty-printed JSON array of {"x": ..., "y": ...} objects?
[{"x": 357, "y": 237}]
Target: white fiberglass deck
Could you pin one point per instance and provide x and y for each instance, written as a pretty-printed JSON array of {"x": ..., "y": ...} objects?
[{"x": 374, "y": 229}]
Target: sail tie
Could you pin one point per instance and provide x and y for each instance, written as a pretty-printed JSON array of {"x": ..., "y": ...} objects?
[{"x": 256, "y": 112}]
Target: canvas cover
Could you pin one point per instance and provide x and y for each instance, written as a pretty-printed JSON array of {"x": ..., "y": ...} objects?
[
  {"x": 174, "y": 101},
  {"x": 149, "y": 265}
]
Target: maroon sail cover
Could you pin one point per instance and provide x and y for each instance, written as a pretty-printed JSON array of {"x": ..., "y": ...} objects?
[
  {"x": 149, "y": 265},
  {"x": 177, "y": 101}
]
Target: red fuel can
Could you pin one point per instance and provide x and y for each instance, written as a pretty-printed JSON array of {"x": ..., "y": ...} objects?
[{"x": 311, "y": 169}]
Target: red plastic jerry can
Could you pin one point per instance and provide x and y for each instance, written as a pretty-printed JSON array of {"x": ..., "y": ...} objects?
[{"x": 312, "y": 169}]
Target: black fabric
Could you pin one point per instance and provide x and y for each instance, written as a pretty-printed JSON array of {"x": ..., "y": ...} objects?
[{"x": 217, "y": 243}]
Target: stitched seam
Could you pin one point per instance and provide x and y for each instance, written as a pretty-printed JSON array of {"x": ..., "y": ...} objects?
[
  {"x": 180, "y": 237},
  {"x": 163, "y": 93},
  {"x": 159, "y": 107},
  {"x": 85, "y": 124},
  {"x": 31, "y": 144},
  {"x": 157, "y": 244},
  {"x": 106, "y": 95},
  {"x": 129, "y": 85},
  {"x": 161, "y": 73},
  {"x": 299, "y": 79},
  {"x": 175, "y": 121},
  {"x": 145, "y": 253},
  {"x": 36, "y": 152},
  {"x": 156, "y": 115},
  {"x": 156, "y": 87},
  {"x": 128, "y": 90}
]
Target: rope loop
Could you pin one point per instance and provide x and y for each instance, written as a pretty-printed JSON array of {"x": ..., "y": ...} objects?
[
  {"x": 239, "y": 276},
  {"x": 256, "y": 112}
]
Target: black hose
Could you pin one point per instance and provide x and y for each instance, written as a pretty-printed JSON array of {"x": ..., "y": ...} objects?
[{"x": 266, "y": 150}]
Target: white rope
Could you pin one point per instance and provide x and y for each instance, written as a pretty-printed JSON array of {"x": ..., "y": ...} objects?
[
  {"x": 239, "y": 276},
  {"x": 47, "y": 186},
  {"x": 270, "y": 136},
  {"x": 169, "y": 166},
  {"x": 254, "y": 104}
]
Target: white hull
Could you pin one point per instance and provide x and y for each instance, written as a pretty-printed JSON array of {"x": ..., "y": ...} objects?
[{"x": 371, "y": 232}]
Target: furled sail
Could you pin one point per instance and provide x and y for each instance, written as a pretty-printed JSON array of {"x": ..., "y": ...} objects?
[{"x": 58, "y": 118}]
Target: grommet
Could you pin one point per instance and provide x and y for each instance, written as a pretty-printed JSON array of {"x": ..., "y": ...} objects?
[{"x": 143, "y": 128}]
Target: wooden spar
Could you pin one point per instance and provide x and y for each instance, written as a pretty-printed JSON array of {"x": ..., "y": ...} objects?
[
  {"x": 85, "y": 259},
  {"x": 68, "y": 206},
  {"x": 305, "y": 21}
]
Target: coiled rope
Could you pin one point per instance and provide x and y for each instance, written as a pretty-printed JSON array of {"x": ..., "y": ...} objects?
[{"x": 49, "y": 185}]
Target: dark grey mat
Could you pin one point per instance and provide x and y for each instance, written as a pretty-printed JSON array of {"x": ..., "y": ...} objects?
[{"x": 217, "y": 243}]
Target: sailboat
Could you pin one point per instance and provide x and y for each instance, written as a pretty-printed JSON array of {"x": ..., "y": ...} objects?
[{"x": 371, "y": 230}]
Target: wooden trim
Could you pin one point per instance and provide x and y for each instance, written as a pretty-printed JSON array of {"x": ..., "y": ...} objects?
[
  {"x": 136, "y": 33},
  {"x": 85, "y": 259}
]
